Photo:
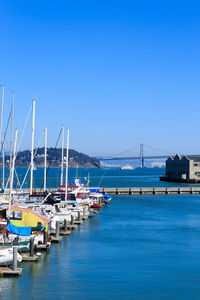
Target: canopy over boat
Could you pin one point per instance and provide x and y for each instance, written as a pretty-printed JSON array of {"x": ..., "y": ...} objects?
[{"x": 23, "y": 231}]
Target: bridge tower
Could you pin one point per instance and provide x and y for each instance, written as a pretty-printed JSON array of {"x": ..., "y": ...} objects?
[{"x": 141, "y": 155}]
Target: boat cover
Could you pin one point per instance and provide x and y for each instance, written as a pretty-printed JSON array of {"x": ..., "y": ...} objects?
[
  {"x": 51, "y": 200},
  {"x": 94, "y": 190},
  {"x": 106, "y": 196},
  {"x": 23, "y": 231},
  {"x": 95, "y": 206},
  {"x": 72, "y": 181}
]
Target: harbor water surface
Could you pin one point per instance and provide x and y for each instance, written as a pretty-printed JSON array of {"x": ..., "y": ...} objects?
[{"x": 137, "y": 247}]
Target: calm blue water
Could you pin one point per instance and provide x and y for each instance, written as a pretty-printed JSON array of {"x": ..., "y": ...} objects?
[
  {"x": 137, "y": 247},
  {"x": 107, "y": 177}
]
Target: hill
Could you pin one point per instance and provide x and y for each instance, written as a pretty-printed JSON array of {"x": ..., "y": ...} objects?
[{"x": 54, "y": 158}]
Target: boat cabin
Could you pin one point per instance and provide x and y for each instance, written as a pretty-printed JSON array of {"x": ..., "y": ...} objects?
[{"x": 21, "y": 216}]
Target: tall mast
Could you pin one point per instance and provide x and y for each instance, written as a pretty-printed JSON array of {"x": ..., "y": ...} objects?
[
  {"x": 3, "y": 158},
  {"x": 32, "y": 146},
  {"x": 11, "y": 133},
  {"x": 1, "y": 139},
  {"x": 67, "y": 161},
  {"x": 45, "y": 161},
  {"x": 1, "y": 122},
  {"x": 62, "y": 158},
  {"x": 13, "y": 168}
]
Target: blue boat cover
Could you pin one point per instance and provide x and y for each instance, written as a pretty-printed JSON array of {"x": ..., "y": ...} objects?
[
  {"x": 94, "y": 190},
  {"x": 23, "y": 231},
  {"x": 106, "y": 196},
  {"x": 72, "y": 181}
]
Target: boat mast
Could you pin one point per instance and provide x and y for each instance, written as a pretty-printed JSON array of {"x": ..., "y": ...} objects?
[
  {"x": 62, "y": 158},
  {"x": 67, "y": 161},
  {"x": 1, "y": 139},
  {"x": 45, "y": 161},
  {"x": 13, "y": 168},
  {"x": 32, "y": 146},
  {"x": 3, "y": 158},
  {"x": 2, "y": 100},
  {"x": 11, "y": 133}
]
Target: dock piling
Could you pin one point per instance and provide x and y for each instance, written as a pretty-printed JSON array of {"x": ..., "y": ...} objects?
[
  {"x": 32, "y": 247},
  {"x": 14, "y": 264},
  {"x": 57, "y": 229},
  {"x": 45, "y": 238},
  {"x": 84, "y": 212},
  {"x": 31, "y": 257},
  {"x": 65, "y": 225}
]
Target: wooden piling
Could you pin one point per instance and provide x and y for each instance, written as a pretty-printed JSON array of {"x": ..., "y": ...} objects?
[
  {"x": 65, "y": 225},
  {"x": 65, "y": 230},
  {"x": 57, "y": 238},
  {"x": 14, "y": 264},
  {"x": 72, "y": 220},
  {"x": 78, "y": 221},
  {"x": 84, "y": 213},
  {"x": 31, "y": 256},
  {"x": 57, "y": 229},
  {"x": 32, "y": 247},
  {"x": 45, "y": 237}
]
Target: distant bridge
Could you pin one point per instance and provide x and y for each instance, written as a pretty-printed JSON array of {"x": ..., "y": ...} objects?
[
  {"x": 141, "y": 157},
  {"x": 135, "y": 157}
]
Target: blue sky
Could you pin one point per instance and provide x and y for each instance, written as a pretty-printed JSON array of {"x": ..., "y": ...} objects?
[{"x": 117, "y": 73}]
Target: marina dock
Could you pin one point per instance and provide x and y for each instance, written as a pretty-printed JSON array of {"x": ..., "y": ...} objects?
[{"x": 151, "y": 190}]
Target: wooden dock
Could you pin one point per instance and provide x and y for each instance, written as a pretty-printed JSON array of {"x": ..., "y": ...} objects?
[
  {"x": 5, "y": 271},
  {"x": 151, "y": 190}
]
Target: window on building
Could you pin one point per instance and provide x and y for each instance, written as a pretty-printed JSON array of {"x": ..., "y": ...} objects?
[
  {"x": 196, "y": 165},
  {"x": 16, "y": 215}
]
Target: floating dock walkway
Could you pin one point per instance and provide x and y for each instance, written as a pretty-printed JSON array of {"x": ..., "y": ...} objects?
[{"x": 151, "y": 190}]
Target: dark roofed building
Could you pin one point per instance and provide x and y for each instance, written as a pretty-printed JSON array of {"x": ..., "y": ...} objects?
[{"x": 182, "y": 168}]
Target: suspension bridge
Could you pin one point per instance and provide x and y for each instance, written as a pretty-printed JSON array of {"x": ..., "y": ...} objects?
[{"x": 140, "y": 156}]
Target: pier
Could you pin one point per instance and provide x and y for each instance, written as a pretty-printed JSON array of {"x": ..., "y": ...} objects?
[
  {"x": 151, "y": 190},
  {"x": 135, "y": 191}
]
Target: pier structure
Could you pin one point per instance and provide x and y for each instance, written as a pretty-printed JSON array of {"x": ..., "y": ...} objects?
[
  {"x": 135, "y": 191},
  {"x": 151, "y": 190}
]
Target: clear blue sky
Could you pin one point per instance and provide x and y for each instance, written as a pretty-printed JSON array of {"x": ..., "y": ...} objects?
[{"x": 117, "y": 73}]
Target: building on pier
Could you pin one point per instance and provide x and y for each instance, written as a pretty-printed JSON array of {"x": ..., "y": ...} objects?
[{"x": 182, "y": 168}]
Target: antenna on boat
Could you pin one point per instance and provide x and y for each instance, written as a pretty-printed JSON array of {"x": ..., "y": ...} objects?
[
  {"x": 76, "y": 177},
  {"x": 32, "y": 146},
  {"x": 67, "y": 161},
  {"x": 11, "y": 133},
  {"x": 12, "y": 169},
  {"x": 45, "y": 160},
  {"x": 62, "y": 156}
]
